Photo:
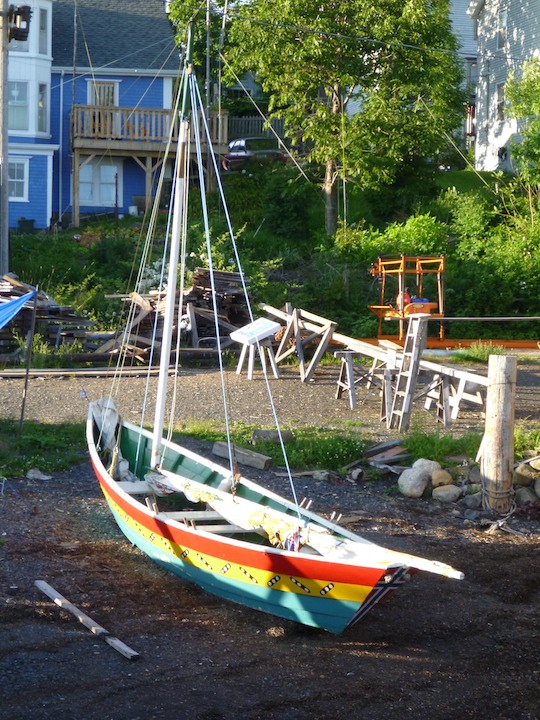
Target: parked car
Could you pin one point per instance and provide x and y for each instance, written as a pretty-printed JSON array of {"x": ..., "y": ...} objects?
[{"x": 252, "y": 150}]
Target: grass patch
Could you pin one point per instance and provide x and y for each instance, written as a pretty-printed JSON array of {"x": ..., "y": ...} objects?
[
  {"x": 310, "y": 449},
  {"x": 479, "y": 352},
  {"x": 438, "y": 446},
  {"x": 47, "y": 447},
  {"x": 465, "y": 180},
  {"x": 526, "y": 441}
]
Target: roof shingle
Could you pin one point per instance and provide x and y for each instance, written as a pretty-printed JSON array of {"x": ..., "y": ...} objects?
[{"x": 129, "y": 34}]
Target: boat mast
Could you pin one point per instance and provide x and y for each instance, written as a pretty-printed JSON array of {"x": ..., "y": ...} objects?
[{"x": 178, "y": 210}]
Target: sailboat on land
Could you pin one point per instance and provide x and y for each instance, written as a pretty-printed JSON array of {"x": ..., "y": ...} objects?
[{"x": 206, "y": 522}]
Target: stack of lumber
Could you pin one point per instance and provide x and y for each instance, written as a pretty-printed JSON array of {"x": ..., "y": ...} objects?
[
  {"x": 56, "y": 323},
  {"x": 230, "y": 300},
  {"x": 138, "y": 335}
]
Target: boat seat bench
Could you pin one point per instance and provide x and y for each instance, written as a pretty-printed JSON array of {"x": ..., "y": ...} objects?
[
  {"x": 223, "y": 529},
  {"x": 193, "y": 515}
]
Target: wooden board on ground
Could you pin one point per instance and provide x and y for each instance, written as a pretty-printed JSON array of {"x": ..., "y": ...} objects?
[
  {"x": 87, "y": 621},
  {"x": 243, "y": 456}
]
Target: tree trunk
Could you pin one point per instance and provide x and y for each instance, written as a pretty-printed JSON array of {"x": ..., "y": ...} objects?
[{"x": 330, "y": 197}]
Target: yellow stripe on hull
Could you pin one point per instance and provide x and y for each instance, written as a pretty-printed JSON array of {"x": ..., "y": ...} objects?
[{"x": 243, "y": 573}]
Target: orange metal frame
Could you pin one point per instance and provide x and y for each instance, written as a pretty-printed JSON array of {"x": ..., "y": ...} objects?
[{"x": 401, "y": 267}]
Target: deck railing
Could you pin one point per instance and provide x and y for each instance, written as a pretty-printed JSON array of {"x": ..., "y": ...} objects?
[
  {"x": 92, "y": 122},
  {"x": 116, "y": 123}
]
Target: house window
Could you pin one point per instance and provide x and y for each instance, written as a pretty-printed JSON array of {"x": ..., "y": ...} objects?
[
  {"x": 19, "y": 45},
  {"x": 18, "y": 106},
  {"x": 500, "y": 101},
  {"x": 43, "y": 43},
  {"x": 98, "y": 184},
  {"x": 502, "y": 22},
  {"x": 42, "y": 108},
  {"x": 18, "y": 180},
  {"x": 103, "y": 93}
]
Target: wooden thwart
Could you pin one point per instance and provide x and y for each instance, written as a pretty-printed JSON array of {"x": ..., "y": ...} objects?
[{"x": 87, "y": 621}]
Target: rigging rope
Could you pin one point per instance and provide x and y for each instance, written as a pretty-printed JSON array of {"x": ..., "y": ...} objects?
[{"x": 244, "y": 288}]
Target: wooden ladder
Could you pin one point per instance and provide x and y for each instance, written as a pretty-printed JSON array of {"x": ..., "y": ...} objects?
[{"x": 408, "y": 367}]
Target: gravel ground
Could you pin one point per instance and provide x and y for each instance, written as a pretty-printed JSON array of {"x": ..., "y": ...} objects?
[
  {"x": 200, "y": 397},
  {"x": 438, "y": 650}
]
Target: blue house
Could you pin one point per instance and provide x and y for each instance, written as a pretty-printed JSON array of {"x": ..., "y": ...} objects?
[{"x": 89, "y": 104}]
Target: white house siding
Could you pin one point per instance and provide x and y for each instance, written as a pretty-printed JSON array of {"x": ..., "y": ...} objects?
[{"x": 495, "y": 63}]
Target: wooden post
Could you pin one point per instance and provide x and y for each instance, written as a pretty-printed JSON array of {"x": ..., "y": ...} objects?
[
  {"x": 497, "y": 450},
  {"x": 76, "y": 189}
]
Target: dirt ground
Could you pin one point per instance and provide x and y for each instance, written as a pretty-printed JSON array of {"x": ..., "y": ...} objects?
[{"x": 437, "y": 648}]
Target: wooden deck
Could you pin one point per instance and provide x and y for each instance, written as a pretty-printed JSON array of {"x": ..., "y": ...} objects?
[{"x": 138, "y": 133}]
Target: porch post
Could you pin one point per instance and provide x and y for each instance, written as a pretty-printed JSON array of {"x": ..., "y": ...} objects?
[
  {"x": 149, "y": 171},
  {"x": 76, "y": 202}
]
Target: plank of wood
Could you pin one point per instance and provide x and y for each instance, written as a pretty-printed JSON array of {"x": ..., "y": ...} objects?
[
  {"x": 389, "y": 454},
  {"x": 381, "y": 447},
  {"x": 86, "y": 620},
  {"x": 243, "y": 456},
  {"x": 224, "y": 529},
  {"x": 192, "y": 515},
  {"x": 135, "y": 487}
]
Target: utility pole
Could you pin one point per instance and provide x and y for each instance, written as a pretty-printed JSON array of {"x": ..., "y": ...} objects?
[{"x": 4, "y": 192}]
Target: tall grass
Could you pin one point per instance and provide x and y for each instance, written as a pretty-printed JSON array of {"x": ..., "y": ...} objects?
[{"x": 311, "y": 448}]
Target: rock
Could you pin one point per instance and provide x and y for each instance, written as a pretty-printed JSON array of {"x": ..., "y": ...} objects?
[
  {"x": 441, "y": 477},
  {"x": 473, "y": 502},
  {"x": 524, "y": 474},
  {"x": 474, "y": 475},
  {"x": 537, "y": 486},
  {"x": 471, "y": 515},
  {"x": 525, "y": 495},
  {"x": 446, "y": 493},
  {"x": 328, "y": 476},
  {"x": 413, "y": 481},
  {"x": 535, "y": 463},
  {"x": 357, "y": 474},
  {"x": 473, "y": 488},
  {"x": 35, "y": 474},
  {"x": 429, "y": 466},
  {"x": 271, "y": 436}
]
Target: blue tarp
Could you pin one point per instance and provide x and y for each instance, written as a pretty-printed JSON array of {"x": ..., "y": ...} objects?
[{"x": 9, "y": 309}]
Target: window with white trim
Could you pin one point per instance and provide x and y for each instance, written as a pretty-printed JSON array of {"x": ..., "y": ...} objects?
[
  {"x": 19, "y": 45},
  {"x": 98, "y": 183},
  {"x": 500, "y": 101},
  {"x": 18, "y": 117},
  {"x": 42, "y": 108},
  {"x": 502, "y": 29},
  {"x": 18, "y": 179},
  {"x": 43, "y": 36},
  {"x": 103, "y": 93}
]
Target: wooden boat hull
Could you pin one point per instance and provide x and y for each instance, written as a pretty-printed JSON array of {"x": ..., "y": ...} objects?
[{"x": 306, "y": 588}]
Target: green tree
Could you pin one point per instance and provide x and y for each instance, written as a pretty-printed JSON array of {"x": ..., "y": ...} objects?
[
  {"x": 523, "y": 95},
  {"x": 395, "y": 61}
]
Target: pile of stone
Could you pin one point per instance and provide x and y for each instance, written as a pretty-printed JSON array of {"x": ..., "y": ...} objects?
[
  {"x": 527, "y": 482},
  {"x": 428, "y": 479}
]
